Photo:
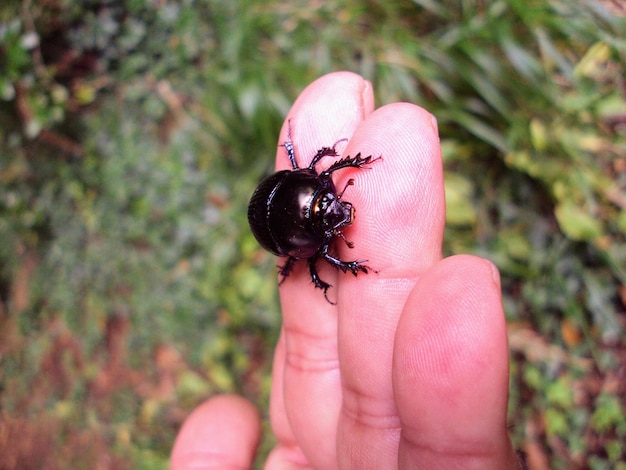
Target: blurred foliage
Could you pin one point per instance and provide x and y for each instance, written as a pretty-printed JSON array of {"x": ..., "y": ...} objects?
[{"x": 133, "y": 132}]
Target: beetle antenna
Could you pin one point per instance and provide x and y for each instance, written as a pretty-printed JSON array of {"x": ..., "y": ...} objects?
[{"x": 349, "y": 183}]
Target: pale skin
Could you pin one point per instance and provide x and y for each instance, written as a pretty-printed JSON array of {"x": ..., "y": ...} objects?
[{"x": 409, "y": 369}]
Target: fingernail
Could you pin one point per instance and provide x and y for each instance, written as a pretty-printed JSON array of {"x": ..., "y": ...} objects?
[
  {"x": 433, "y": 122},
  {"x": 495, "y": 273}
]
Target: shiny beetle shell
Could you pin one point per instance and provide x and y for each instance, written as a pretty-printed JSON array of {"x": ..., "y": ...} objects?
[
  {"x": 298, "y": 214},
  {"x": 291, "y": 213}
]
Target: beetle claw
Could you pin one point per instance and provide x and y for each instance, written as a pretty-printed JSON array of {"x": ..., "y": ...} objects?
[{"x": 327, "y": 299}]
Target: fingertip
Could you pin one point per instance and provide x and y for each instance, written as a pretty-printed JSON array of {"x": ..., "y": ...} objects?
[
  {"x": 400, "y": 202},
  {"x": 327, "y": 110},
  {"x": 453, "y": 329},
  {"x": 450, "y": 368},
  {"x": 223, "y": 432}
]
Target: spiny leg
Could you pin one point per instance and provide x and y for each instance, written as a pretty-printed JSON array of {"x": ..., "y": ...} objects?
[
  {"x": 349, "y": 162},
  {"x": 321, "y": 153},
  {"x": 317, "y": 281},
  {"x": 288, "y": 144},
  {"x": 339, "y": 233},
  {"x": 325, "y": 152},
  {"x": 353, "y": 266},
  {"x": 290, "y": 152},
  {"x": 286, "y": 269}
]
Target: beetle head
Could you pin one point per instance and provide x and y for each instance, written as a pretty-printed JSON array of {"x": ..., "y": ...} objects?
[{"x": 331, "y": 214}]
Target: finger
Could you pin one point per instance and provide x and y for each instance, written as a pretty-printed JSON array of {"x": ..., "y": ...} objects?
[
  {"x": 222, "y": 433},
  {"x": 398, "y": 227},
  {"x": 328, "y": 110},
  {"x": 287, "y": 453},
  {"x": 450, "y": 370}
]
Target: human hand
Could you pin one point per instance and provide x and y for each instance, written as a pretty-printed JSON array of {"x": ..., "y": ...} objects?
[{"x": 410, "y": 368}]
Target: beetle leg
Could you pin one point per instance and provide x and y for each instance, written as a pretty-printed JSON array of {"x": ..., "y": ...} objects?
[
  {"x": 321, "y": 153},
  {"x": 349, "y": 162},
  {"x": 286, "y": 269},
  {"x": 325, "y": 152},
  {"x": 290, "y": 153},
  {"x": 288, "y": 144},
  {"x": 353, "y": 266},
  {"x": 317, "y": 281}
]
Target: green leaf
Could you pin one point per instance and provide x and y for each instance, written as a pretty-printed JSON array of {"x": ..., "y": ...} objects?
[
  {"x": 576, "y": 223},
  {"x": 593, "y": 61},
  {"x": 459, "y": 205}
]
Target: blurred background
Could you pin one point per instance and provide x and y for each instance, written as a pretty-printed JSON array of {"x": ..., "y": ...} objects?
[{"x": 132, "y": 133}]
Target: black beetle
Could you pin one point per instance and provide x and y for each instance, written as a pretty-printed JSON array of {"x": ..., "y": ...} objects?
[{"x": 298, "y": 213}]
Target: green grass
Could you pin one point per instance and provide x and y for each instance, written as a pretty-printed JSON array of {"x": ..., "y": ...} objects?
[{"x": 134, "y": 132}]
